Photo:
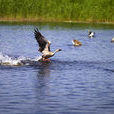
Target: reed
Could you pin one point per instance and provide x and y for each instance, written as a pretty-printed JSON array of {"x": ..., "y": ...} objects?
[{"x": 58, "y": 10}]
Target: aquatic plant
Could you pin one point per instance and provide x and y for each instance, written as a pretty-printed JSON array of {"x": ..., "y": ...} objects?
[{"x": 58, "y": 10}]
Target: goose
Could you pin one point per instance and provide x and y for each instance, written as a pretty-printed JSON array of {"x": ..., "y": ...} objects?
[
  {"x": 76, "y": 43},
  {"x": 91, "y": 34},
  {"x": 112, "y": 40},
  {"x": 44, "y": 46}
]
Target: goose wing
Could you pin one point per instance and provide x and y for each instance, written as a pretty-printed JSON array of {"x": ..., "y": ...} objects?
[{"x": 43, "y": 43}]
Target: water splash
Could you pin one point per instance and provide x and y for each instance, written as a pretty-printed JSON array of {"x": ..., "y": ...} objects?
[{"x": 16, "y": 61}]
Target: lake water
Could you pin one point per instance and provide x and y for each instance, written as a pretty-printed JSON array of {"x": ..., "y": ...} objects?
[{"x": 77, "y": 80}]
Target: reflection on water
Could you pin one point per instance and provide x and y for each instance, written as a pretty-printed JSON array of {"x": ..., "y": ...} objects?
[
  {"x": 44, "y": 78},
  {"x": 44, "y": 70},
  {"x": 79, "y": 79}
]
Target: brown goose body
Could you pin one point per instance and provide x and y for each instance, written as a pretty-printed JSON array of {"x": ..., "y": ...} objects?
[
  {"x": 44, "y": 45},
  {"x": 76, "y": 43}
]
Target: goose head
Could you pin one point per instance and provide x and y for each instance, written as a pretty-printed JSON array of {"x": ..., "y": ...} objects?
[{"x": 57, "y": 50}]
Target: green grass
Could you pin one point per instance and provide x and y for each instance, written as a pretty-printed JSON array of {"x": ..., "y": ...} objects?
[{"x": 58, "y": 10}]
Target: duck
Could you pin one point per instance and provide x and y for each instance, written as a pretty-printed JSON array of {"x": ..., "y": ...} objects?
[
  {"x": 112, "y": 40},
  {"x": 44, "y": 46},
  {"x": 91, "y": 34},
  {"x": 76, "y": 43}
]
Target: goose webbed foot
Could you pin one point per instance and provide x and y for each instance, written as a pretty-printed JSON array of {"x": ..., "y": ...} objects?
[{"x": 45, "y": 60}]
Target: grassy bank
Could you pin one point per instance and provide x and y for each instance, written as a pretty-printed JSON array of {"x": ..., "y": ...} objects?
[{"x": 58, "y": 10}]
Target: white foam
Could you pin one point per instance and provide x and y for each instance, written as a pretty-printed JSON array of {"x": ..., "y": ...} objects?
[
  {"x": 38, "y": 58},
  {"x": 7, "y": 60}
]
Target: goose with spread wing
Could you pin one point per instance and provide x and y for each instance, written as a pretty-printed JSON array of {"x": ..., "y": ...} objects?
[{"x": 44, "y": 46}]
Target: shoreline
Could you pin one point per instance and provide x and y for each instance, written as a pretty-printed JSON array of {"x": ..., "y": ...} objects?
[{"x": 52, "y": 20}]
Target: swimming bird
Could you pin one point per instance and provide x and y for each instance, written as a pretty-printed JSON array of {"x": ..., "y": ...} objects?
[
  {"x": 76, "y": 43},
  {"x": 112, "y": 39},
  {"x": 91, "y": 34},
  {"x": 44, "y": 46}
]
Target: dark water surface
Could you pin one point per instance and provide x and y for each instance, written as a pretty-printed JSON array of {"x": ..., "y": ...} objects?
[{"x": 78, "y": 79}]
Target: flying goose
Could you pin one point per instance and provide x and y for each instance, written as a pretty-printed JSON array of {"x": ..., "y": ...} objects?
[
  {"x": 91, "y": 34},
  {"x": 44, "y": 46},
  {"x": 76, "y": 43}
]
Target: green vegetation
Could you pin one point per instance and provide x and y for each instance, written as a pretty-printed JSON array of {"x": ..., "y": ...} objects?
[{"x": 58, "y": 10}]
